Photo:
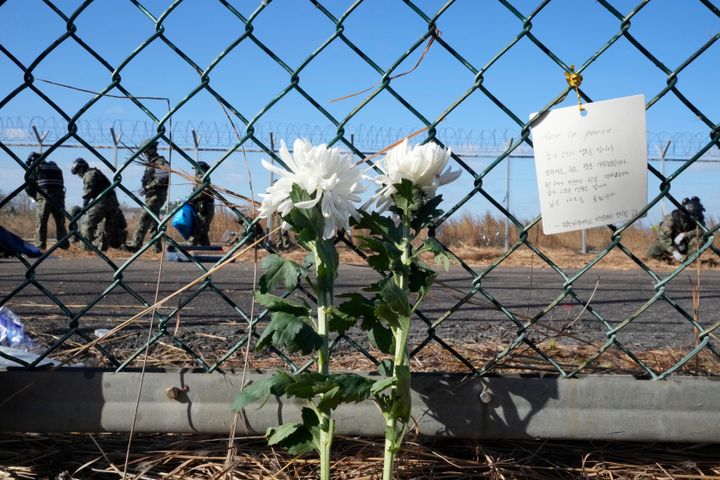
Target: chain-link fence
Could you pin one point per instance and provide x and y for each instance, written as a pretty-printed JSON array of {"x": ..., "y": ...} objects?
[{"x": 542, "y": 312}]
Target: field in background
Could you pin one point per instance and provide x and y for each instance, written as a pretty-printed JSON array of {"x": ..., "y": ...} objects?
[{"x": 475, "y": 239}]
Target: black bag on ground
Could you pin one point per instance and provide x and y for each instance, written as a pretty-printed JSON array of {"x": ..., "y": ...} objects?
[{"x": 116, "y": 230}]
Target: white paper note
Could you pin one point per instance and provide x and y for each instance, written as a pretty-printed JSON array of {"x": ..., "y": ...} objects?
[{"x": 591, "y": 168}]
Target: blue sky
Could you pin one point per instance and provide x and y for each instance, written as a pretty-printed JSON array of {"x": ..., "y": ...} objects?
[{"x": 524, "y": 79}]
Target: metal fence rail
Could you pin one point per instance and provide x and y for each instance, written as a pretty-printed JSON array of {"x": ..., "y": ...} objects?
[{"x": 122, "y": 285}]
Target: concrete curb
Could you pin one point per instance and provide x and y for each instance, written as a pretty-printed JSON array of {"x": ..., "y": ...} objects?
[{"x": 610, "y": 407}]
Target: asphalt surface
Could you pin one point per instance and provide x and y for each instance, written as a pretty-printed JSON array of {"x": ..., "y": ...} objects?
[{"x": 214, "y": 321}]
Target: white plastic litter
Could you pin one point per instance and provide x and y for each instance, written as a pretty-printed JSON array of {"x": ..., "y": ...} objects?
[
  {"x": 101, "y": 332},
  {"x": 12, "y": 332}
]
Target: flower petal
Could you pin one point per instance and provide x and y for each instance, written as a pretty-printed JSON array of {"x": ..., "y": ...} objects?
[
  {"x": 309, "y": 203},
  {"x": 327, "y": 174}
]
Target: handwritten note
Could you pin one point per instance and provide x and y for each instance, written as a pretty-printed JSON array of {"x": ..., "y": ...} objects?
[{"x": 591, "y": 168}]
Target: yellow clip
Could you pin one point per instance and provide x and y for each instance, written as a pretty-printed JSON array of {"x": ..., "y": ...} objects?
[{"x": 574, "y": 80}]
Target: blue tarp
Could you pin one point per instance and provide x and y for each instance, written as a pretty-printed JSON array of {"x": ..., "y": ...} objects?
[{"x": 11, "y": 243}]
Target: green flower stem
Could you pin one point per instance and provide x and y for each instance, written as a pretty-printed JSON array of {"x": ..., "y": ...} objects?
[
  {"x": 390, "y": 448},
  {"x": 396, "y": 422},
  {"x": 327, "y": 424},
  {"x": 398, "y": 417},
  {"x": 324, "y": 306}
]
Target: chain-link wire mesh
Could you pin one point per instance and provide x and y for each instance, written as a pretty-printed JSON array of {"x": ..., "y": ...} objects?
[{"x": 211, "y": 323}]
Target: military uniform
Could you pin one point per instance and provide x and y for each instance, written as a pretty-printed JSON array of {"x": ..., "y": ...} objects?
[
  {"x": 46, "y": 186},
  {"x": 204, "y": 206},
  {"x": 101, "y": 218},
  {"x": 678, "y": 233},
  {"x": 155, "y": 184}
]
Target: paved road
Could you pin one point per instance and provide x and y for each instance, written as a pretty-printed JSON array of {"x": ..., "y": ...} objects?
[{"x": 615, "y": 295}]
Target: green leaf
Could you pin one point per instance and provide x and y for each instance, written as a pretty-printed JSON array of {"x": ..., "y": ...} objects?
[
  {"x": 309, "y": 384},
  {"x": 279, "y": 382},
  {"x": 375, "y": 286},
  {"x": 420, "y": 278},
  {"x": 385, "y": 253},
  {"x": 307, "y": 340},
  {"x": 371, "y": 243},
  {"x": 279, "y": 304},
  {"x": 441, "y": 254},
  {"x": 291, "y": 333},
  {"x": 357, "y": 306},
  {"x": 426, "y": 212},
  {"x": 388, "y": 315},
  {"x": 286, "y": 335},
  {"x": 379, "y": 225},
  {"x": 386, "y": 367},
  {"x": 312, "y": 423},
  {"x": 275, "y": 385},
  {"x": 343, "y": 388},
  {"x": 407, "y": 198},
  {"x": 328, "y": 262},
  {"x": 353, "y": 387},
  {"x": 282, "y": 432},
  {"x": 392, "y": 306},
  {"x": 340, "y": 322},
  {"x": 251, "y": 393},
  {"x": 382, "y": 338},
  {"x": 402, "y": 402},
  {"x": 381, "y": 261},
  {"x": 295, "y": 437},
  {"x": 330, "y": 400},
  {"x": 309, "y": 417},
  {"x": 308, "y": 223},
  {"x": 279, "y": 270},
  {"x": 395, "y": 298},
  {"x": 383, "y": 384}
]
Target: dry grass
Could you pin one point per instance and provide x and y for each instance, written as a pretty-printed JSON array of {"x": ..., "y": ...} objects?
[
  {"x": 477, "y": 240},
  {"x": 470, "y": 231},
  {"x": 156, "y": 457}
]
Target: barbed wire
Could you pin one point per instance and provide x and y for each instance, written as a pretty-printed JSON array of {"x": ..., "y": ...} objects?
[{"x": 19, "y": 131}]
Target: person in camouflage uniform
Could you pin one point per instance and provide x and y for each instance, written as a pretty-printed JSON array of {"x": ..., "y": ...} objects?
[
  {"x": 678, "y": 233},
  {"x": 101, "y": 214},
  {"x": 204, "y": 206},
  {"x": 46, "y": 186},
  {"x": 155, "y": 183},
  {"x": 114, "y": 231}
]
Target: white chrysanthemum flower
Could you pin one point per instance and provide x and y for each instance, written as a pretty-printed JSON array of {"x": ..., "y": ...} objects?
[
  {"x": 422, "y": 164},
  {"x": 327, "y": 174}
]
